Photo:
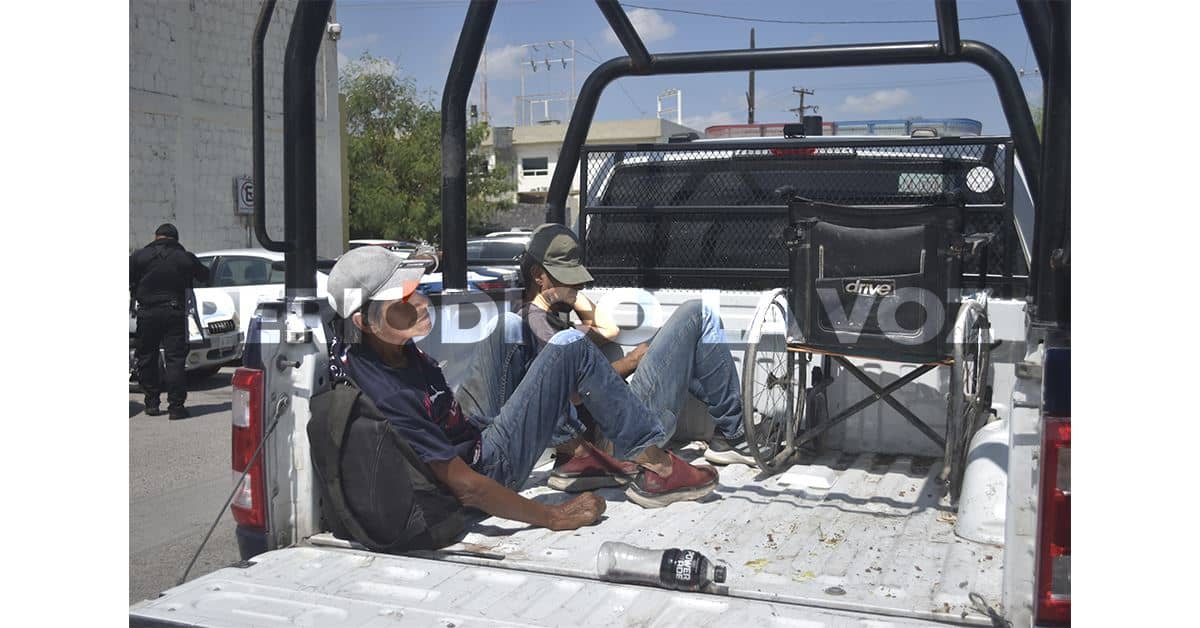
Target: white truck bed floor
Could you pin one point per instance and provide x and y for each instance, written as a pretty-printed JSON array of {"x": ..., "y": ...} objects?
[
  {"x": 876, "y": 548},
  {"x": 879, "y": 539}
]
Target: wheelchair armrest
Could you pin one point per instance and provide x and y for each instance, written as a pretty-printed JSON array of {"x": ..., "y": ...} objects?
[{"x": 973, "y": 242}]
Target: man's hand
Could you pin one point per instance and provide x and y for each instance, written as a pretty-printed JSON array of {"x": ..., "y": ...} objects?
[
  {"x": 581, "y": 511},
  {"x": 638, "y": 353},
  {"x": 481, "y": 492},
  {"x": 560, "y": 294},
  {"x": 627, "y": 364}
]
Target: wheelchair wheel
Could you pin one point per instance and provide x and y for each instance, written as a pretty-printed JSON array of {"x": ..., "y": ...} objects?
[
  {"x": 970, "y": 391},
  {"x": 772, "y": 386}
]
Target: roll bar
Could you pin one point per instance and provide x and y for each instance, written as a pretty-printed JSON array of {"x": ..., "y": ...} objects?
[
  {"x": 299, "y": 243},
  {"x": 454, "y": 142},
  {"x": 1048, "y": 26},
  {"x": 1012, "y": 100}
]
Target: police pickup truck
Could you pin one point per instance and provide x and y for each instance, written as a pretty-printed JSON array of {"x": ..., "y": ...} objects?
[{"x": 859, "y": 526}]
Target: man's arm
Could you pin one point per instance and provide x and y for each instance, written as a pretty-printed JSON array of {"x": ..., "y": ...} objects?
[
  {"x": 594, "y": 322},
  {"x": 199, "y": 270},
  {"x": 627, "y": 364},
  {"x": 481, "y": 492},
  {"x": 134, "y": 273}
]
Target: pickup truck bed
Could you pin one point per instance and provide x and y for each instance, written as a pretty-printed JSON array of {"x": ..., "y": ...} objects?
[{"x": 878, "y": 541}]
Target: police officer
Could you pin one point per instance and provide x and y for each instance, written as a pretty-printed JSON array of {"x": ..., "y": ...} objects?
[{"x": 160, "y": 276}]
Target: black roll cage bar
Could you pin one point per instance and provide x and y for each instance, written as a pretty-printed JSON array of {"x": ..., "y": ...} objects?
[{"x": 1046, "y": 165}]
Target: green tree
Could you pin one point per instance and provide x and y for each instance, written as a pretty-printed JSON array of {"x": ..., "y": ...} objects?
[
  {"x": 1037, "y": 119},
  {"x": 394, "y": 150}
]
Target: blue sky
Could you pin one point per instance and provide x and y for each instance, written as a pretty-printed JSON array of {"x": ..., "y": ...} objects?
[{"x": 419, "y": 37}]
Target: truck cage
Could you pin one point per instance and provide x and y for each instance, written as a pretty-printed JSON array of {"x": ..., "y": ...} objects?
[
  {"x": 1045, "y": 161},
  {"x": 699, "y": 215}
]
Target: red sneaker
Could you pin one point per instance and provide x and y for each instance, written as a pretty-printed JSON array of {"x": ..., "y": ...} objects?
[
  {"x": 686, "y": 482},
  {"x": 591, "y": 471}
]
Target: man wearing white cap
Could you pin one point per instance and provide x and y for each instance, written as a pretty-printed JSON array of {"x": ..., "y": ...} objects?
[{"x": 482, "y": 460}]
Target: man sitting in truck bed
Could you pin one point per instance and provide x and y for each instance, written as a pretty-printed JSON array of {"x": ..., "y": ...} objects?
[
  {"x": 688, "y": 354},
  {"x": 483, "y": 460}
]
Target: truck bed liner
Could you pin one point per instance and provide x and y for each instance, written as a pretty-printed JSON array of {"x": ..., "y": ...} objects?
[
  {"x": 879, "y": 539},
  {"x": 310, "y": 586}
]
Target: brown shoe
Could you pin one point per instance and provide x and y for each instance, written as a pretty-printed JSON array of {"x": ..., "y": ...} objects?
[
  {"x": 686, "y": 482},
  {"x": 591, "y": 471}
]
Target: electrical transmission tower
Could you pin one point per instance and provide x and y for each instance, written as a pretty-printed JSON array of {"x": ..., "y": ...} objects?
[{"x": 546, "y": 57}]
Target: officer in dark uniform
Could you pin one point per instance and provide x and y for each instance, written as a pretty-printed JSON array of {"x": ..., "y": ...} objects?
[{"x": 160, "y": 276}]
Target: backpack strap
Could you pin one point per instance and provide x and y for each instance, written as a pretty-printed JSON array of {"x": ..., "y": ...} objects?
[{"x": 340, "y": 412}]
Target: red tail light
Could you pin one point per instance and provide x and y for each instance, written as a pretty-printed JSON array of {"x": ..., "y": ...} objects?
[
  {"x": 492, "y": 285},
  {"x": 249, "y": 505},
  {"x": 793, "y": 152},
  {"x": 1054, "y": 525}
]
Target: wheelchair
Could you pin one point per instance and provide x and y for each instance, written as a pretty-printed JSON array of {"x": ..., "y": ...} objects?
[{"x": 882, "y": 283}]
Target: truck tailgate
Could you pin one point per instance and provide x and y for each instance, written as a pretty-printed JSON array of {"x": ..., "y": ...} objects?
[{"x": 314, "y": 586}]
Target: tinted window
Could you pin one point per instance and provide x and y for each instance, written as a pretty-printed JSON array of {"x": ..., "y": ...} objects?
[
  {"x": 535, "y": 166},
  {"x": 207, "y": 260},
  {"x": 245, "y": 271},
  {"x": 491, "y": 251},
  {"x": 502, "y": 250}
]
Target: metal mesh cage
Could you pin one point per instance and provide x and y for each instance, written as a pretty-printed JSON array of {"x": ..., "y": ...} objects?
[{"x": 712, "y": 215}]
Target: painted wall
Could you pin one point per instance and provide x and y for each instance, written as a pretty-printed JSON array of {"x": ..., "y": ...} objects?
[{"x": 190, "y": 129}]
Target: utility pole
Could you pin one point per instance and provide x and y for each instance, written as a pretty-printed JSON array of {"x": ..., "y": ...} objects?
[
  {"x": 483, "y": 87},
  {"x": 802, "y": 108},
  {"x": 750, "y": 94}
]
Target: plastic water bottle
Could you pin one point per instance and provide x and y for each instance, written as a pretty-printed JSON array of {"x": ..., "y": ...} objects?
[{"x": 680, "y": 569}]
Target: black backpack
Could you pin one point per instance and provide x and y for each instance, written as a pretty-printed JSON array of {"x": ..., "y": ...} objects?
[{"x": 374, "y": 488}]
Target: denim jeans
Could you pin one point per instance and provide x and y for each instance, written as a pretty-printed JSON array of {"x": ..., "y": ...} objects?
[
  {"x": 537, "y": 409},
  {"x": 689, "y": 354},
  {"x": 497, "y": 367}
]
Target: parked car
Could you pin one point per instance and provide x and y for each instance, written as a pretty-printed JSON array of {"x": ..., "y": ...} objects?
[
  {"x": 243, "y": 278},
  {"x": 213, "y": 341},
  {"x": 501, "y": 250}
]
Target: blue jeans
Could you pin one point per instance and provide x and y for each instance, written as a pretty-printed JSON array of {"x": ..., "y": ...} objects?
[
  {"x": 497, "y": 366},
  {"x": 537, "y": 410},
  {"x": 689, "y": 354}
]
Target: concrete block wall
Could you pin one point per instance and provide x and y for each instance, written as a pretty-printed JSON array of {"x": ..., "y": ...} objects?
[{"x": 190, "y": 130}]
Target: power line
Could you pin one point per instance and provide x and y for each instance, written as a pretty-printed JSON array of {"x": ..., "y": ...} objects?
[
  {"x": 405, "y": 5},
  {"x": 593, "y": 59},
  {"x": 811, "y": 22}
]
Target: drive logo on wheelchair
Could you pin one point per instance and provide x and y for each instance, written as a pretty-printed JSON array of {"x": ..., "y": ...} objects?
[{"x": 871, "y": 287}]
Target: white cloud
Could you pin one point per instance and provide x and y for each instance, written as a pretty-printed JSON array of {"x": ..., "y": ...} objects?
[
  {"x": 504, "y": 62},
  {"x": 877, "y": 101},
  {"x": 699, "y": 123},
  {"x": 361, "y": 42},
  {"x": 650, "y": 25}
]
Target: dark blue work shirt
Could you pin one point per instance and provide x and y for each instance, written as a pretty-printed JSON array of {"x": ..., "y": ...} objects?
[{"x": 417, "y": 402}]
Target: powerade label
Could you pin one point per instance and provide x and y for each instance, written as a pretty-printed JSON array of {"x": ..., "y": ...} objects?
[{"x": 682, "y": 569}]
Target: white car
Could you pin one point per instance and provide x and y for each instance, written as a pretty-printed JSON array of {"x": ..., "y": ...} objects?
[
  {"x": 212, "y": 343},
  {"x": 240, "y": 279}
]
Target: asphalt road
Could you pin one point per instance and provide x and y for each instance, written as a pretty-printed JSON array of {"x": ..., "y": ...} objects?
[{"x": 179, "y": 478}]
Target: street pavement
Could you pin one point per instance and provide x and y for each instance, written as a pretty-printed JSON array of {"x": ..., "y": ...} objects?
[{"x": 179, "y": 478}]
